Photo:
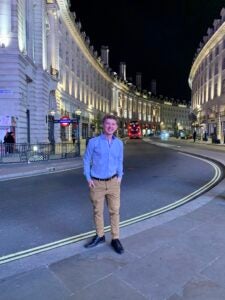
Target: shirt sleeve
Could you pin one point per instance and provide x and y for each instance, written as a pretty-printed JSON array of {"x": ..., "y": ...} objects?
[
  {"x": 120, "y": 161},
  {"x": 87, "y": 159}
]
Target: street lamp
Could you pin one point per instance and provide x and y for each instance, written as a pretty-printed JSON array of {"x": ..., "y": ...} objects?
[
  {"x": 52, "y": 112},
  {"x": 78, "y": 113},
  {"x": 51, "y": 129}
]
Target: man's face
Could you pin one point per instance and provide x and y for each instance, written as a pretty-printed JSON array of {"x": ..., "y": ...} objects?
[{"x": 109, "y": 126}]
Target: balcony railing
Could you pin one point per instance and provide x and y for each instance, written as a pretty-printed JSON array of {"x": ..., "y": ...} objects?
[{"x": 37, "y": 152}]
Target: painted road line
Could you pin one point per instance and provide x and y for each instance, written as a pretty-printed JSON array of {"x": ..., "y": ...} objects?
[
  {"x": 82, "y": 236},
  {"x": 49, "y": 246},
  {"x": 183, "y": 200},
  {"x": 163, "y": 145}
]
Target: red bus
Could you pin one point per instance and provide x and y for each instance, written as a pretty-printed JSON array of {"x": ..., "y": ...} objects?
[{"x": 134, "y": 130}]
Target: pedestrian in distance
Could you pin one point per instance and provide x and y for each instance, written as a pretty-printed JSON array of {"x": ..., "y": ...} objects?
[
  {"x": 103, "y": 169},
  {"x": 73, "y": 138},
  {"x": 194, "y": 136},
  {"x": 9, "y": 142},
  {"x": 205, "y": 138}
]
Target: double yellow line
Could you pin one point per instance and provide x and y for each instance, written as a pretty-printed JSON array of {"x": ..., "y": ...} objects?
[{"x": 82, "y": 236}]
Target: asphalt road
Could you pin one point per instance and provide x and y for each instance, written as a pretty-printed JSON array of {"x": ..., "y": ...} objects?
[
  {"x": 43, "y": 209},
  {"x": 190, "y": 144}
]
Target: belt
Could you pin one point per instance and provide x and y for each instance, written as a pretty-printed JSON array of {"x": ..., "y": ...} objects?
[{"x": 105, "y": 179}]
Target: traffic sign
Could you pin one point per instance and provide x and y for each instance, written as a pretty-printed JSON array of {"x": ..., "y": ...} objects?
[{"x": 66, "y": 121}]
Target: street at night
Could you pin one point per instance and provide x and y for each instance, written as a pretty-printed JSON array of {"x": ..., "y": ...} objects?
[
  {"x": 44, "y": 209},
  {"x": 118, "y": 106}
]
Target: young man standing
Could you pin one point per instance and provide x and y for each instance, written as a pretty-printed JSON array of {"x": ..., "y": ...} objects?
[{"x": 103, "y": 169}]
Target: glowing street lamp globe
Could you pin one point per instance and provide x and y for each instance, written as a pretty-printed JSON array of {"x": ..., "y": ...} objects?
[{"x": 78, "y": 112}]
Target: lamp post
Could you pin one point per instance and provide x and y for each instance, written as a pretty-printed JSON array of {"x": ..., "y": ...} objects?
[
  {"x": 78, "y": 113},
  {"x": 51, "y": 137},
  {"x": 175, "y": 127}
]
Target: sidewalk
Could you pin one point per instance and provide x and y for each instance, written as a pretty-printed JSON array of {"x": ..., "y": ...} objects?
[
  {"x": 12, "y": 171},
  {"x": 173, "y": 256},
  {"x": 190, "y": 141}
]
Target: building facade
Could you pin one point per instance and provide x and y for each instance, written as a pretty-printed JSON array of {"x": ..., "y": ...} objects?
[
  {"x": 50, "y": 70},
  {"x": 207, "y": 81},
  {"x": 175, "y": 116}
]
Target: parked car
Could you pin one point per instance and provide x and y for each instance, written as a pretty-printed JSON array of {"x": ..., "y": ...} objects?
[
  {"x": 164, "y": 135},
  {"x": 182, "y": 134}
]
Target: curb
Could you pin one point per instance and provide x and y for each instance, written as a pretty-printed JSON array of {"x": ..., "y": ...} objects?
[{"x": 46, "y": 171}]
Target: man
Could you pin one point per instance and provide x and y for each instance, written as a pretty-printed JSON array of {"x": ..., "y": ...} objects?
[
  {"x": 9, "y": 141},
  {"x": 194, "y": 135},
  {"x": 103, "y": 169}
]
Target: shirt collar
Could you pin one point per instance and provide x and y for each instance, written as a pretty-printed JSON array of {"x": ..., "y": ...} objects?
[{"x": 104, "y": 137}]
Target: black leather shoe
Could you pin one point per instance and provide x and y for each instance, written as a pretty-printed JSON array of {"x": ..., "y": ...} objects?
[
  {"x": 95, "y": 241},
  {"x": 117, "y": 246}
]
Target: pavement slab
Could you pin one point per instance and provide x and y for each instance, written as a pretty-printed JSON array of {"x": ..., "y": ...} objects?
[
  {"x": 215, "y": 271},
  {"x": 109, "y": 287},
  {"x": 210, "y": 211},
  {"x": 80, "y": 271},
  {"x": 200, "y": 288},
  {"x": 159, "y": 236},
  {"x": 38, "y": 284},
  {"x": 162, "y": 272}
]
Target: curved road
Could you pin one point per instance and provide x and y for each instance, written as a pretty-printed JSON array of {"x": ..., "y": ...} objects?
[{"x": 43, "y": 209}]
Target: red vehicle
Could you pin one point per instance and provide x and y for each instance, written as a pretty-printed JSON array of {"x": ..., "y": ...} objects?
[{"x": 134, "y": 130}]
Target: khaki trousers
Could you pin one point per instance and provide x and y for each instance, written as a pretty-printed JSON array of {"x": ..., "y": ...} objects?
[{"x": 109, "y": 190}]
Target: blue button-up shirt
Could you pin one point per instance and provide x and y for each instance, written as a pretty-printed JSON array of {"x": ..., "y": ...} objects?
[{"x": 103, "y": 159}]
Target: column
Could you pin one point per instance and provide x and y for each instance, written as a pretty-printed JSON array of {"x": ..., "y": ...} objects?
[
  {"x": 219, "y": 128},
  {"x": 53, "y": 39},
  {"x": 21, "y": 24}
]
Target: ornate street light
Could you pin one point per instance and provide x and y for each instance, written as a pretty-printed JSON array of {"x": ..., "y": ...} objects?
[
  {"x": 78, "y": 113},
  {"x": 51, "y": 129},
  {"x": 52, "y": 112}
]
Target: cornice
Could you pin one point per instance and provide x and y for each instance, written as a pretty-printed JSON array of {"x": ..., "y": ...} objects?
[
  {"x": 212, "y": 42},
  {"x": 65, "y": 14},
  {"x": 121, "y": 86},
  {"x": 52, "y": 6}
]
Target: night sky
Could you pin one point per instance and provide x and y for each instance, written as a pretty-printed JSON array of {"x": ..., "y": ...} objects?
[{"x": 157, "y": 38}]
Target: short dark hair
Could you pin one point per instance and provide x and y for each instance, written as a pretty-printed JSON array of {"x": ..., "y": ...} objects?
[{"x": 109, "y": 116}]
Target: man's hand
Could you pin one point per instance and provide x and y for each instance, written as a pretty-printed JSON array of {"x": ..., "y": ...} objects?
[{"x": 91, "y": 184}]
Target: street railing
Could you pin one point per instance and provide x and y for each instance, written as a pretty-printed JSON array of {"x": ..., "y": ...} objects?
[{"x": 37, "y": 152}]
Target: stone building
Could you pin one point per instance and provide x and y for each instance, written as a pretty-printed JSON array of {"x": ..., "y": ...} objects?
[
  {"x": 49, "y": 69},
  {"x": 175, "y": 115},
  {"x": 207, "y": 81}
]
